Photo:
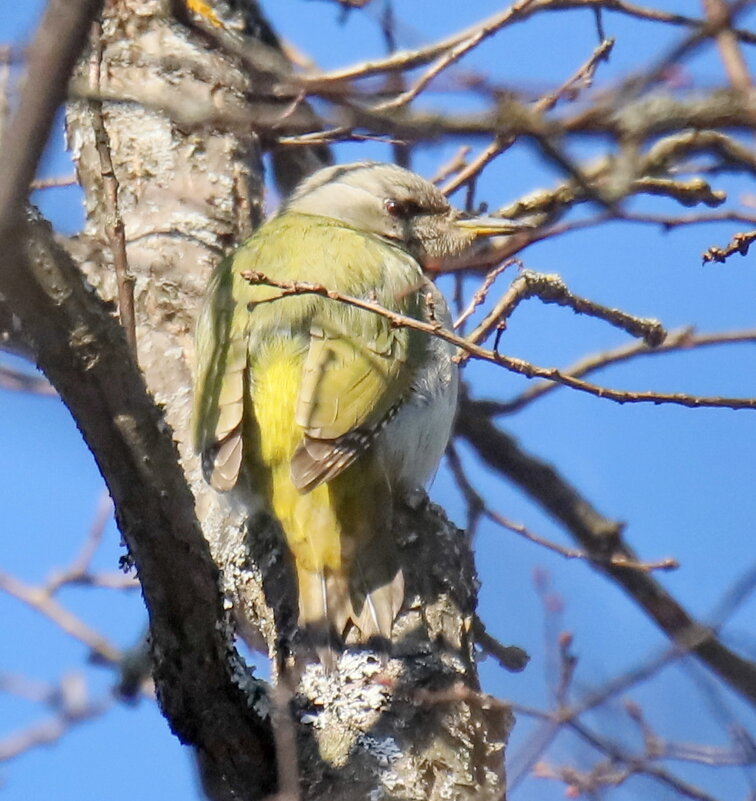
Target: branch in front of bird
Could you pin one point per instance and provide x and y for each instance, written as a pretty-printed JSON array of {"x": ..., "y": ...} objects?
[{"x": 511, "y": 363}]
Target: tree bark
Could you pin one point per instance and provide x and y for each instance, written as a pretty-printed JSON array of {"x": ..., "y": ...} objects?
[{"x": 376, "y": 727}]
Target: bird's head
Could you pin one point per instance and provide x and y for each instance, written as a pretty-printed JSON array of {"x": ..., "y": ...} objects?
[{"x": 394, "y": 204}]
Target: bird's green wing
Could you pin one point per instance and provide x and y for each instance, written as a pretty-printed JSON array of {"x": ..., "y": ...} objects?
[
  {"x": 358, "y": 365},
  {"x": 356, "y": 373},
  {"x": 219, "y": 383}
]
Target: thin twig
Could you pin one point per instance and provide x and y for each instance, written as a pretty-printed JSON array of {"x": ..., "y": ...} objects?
[
  {"x": 583, "y": 75},
  {"x": 599, "y": 535},
  {"x": 78, "y": 571},
  {"x": 456, "y": 163},
  {"x": 54, "y": 183},
  {"x": 114, "y": 226},
  {"x": 551, "y": 289},
  {"x": 511, "y": 363},
  {"x": 70, "y": 707},
  {"x": 616, "y": 559},
  {"x": 19, "y": 381},
  {"x": 668, "y": 222},
  {"x": 473, "y": 499},
  {"x": 740, "y": 243},
  {"x": 517, "y": 243},
  {"x": 677, "y": 340},
  {"x": 451, "y": 56},
  {"x": 39, "y": 599},
  {"x": 719, "y": 14},
  {"x": 477, "y": 508},
  {"x": 482, "y": 292}
]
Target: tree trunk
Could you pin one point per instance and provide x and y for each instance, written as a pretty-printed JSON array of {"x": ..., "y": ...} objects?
[{"x": 410, "y": 727}]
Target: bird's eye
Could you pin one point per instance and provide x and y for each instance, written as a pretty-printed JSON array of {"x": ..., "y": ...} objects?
[{"x": 402, "y": 210}]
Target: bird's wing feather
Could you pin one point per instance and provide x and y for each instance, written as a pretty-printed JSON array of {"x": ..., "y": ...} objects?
[
  {"x": 351, "y": 383},
  {"x": 358, "y": 366},
  {"x": 219, "y": 384}
]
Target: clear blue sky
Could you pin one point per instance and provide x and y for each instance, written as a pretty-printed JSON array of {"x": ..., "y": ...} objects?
[{"x": 682, "y": 479}]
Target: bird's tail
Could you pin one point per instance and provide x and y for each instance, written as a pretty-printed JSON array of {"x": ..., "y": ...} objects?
[
  {"x": 377, "y": 590},
  {"x": 346, "y": 557},
  {"x": 330, "y": 603}
]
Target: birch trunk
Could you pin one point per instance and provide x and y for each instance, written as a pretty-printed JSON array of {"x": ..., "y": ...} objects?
[{"x": 188, "y": 190}]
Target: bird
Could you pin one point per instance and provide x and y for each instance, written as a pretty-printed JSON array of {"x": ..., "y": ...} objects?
[{"x": 333, "y": 413}]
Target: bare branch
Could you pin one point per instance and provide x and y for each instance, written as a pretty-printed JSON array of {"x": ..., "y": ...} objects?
[
  {"x": 453, "y": 55},
  {"x": 740, "y": 243},
  {"x": 580, "y": 79},
  {"x": 637, "y": 120},
  {"x": 718, "y": 14},
  {"x": 40, "y": 599},
  {"x": 508, "y": 362},
  {"x": 70, "y": 706},
  {"x": 51, "y": 57},
  {"x": 408, "y": 59},
  {"x": 18, "y": 381},
  {"x": 551, "y": 289},
  {"x": 603, "y": 537},
  {"x": 114, "y": 227},
  {"x": 680, "y": 339}
]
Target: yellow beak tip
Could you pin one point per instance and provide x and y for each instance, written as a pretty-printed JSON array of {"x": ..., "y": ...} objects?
[{"x": 493, "y": 226}]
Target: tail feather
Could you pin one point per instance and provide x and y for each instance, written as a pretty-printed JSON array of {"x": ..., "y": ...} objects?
[
  {"x": 380, "y": 608},
  {"x": 340, "y": 534},
  {"x": 322, "y": 616},
  {"x": 330, "y": 602},
  {"x": 323, "y": 598}
]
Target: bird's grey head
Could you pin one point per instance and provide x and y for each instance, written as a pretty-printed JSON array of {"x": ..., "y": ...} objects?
[{"x": 387, "y": 201}]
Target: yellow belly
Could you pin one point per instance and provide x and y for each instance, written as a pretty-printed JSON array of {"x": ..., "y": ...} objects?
[
  {"x": 312, "y": 528},
  {"x": 339, "y": 532}
]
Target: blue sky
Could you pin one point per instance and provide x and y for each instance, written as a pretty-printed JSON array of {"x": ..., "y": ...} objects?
[{"x": 682, "y": 479}]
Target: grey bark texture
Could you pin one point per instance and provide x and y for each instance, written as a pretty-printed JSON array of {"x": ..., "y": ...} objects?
[{"x": 375, "y": 728}]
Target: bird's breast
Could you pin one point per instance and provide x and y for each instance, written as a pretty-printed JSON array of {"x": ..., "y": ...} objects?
[{"x": 414, "y": 442}]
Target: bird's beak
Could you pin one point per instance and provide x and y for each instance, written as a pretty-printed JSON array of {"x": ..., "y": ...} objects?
[{"x": 492, "y": 226}]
